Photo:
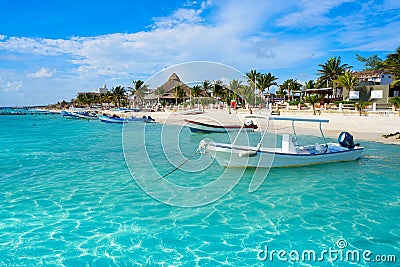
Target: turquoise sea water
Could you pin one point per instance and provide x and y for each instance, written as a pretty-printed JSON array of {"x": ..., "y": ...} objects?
[{"x": 67, "y": 198}]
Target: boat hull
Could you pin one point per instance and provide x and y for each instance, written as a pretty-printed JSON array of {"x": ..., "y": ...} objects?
[
  {"x": 69, "y": 115},
  {"x": 86, "y": 116},
  {"x": 125, "y": 120},
  {"x": 202, "y": 127},
  {"x": 252, "y": 158}
]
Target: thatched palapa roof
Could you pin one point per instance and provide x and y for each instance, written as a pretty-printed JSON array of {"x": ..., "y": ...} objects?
[{"x": 170, "y": 85}]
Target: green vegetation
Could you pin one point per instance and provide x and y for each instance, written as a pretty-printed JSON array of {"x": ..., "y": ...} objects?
[
  {"x": 331, "y": 70},
  {"x": 333, "y": 73},
  {"x": 361, "y": 105},
  {"x": 295, "y": 103},
  {"x": 395, "y": 101},
  {"x": 392, "y": 65},
  {"x": 371, "y": 63},
  {"x": 347, "y": 80},
  {"x": 290, "y": 86},
  {"x": 314, "y": 99}
]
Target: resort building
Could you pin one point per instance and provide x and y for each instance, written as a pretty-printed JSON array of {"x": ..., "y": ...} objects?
[
  {"x": 102, "y": 90},
  {"x": 374, "y": 77},
  {"x": 170, "y": 94},
  {"x": 374, "y": 86},
  {"x": 379, "y": 94}
]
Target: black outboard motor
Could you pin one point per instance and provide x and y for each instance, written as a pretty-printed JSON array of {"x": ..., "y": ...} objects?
[
  {"x": 346, "y": 140},
  {"x": 251, "y": 123}
]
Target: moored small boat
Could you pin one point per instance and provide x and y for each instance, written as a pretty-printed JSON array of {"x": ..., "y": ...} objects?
[
  {"x": 206, "y": 127},
  {"x": 116, "y": 119},
  {"x": 290, "y": 154},
  {"x": 69, "y": 114},
  {"x": 86, "y": 115}
]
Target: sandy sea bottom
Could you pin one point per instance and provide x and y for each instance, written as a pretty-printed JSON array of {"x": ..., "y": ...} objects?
[{"x": 67, "y": 197}]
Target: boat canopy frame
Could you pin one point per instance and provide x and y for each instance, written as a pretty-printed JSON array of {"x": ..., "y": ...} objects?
[{"x": 276, "y": 118}]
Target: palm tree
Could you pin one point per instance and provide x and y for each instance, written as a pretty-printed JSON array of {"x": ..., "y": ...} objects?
[
  {"x": 226, "y": 95},
  {"x": 91, "y": 99},
  {"x": 331, "y": 70},
  {"x": 265, "y": 81},
  {"x": 251, "y": 79},
  {"x": 119, "y": 93},
  {"x": 177, "y": 88},
  {"x": 361, "y": 106},
  {"x": 235, "y": 86},
  {"x": 106, "y": 97},
  {"x": 290, "y": 86},
  {"x": 395, "y": 101},
  {"x": 204, "y": 101},
  {"x": 347, "y": 80},
  {"x": 314, "y": 99},
  {"x": 178, "y": 93},
  {"x": 139, "y": 90},
  {"x": 159, "y": 92},
  {"x": 281, "y": 92},
  {"x": 206, "y": 86},
  {"x": 81, "y": 99},
  {"x": 247, "y": 94},
  {"x": 392, "y": 64},
  {"x": 309, "y": 84},
  {"x": 218, "y": 89},
  {"x": 196, "y": 92}
]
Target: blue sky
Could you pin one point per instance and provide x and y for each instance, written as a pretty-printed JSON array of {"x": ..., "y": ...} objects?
[{"x": 50, "y": 50}]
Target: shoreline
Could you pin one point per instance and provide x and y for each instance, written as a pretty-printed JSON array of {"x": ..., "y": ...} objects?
[
  {"x": 370, "y": 127},
  {"x": 363, "y": 128}
]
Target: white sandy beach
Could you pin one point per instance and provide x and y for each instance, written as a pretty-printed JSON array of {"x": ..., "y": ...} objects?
[{"x": 368, "y": 128}]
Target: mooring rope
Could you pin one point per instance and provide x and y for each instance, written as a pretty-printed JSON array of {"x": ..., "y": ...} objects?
[{"x": 183, "y": 163}]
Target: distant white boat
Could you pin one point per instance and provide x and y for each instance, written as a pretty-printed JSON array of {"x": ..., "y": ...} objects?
[
  {"x": 195, "y": 111},
  {"x": 115, "y": 119},
  {"x": 290, "y": 154},
  {"x": 86, "y": 115},
  {"x": 69, "y": 114}
]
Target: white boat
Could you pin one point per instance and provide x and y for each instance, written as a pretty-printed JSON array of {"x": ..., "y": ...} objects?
[
  {"x": 290, "y": 154},
  {"x": 69, "y": 114},
  {"x": 86, "y": 115},
  {"x": 212, "y": 127},
  {"x": 116, "y": 119}
]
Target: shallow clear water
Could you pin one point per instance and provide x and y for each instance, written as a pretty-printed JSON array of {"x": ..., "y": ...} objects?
[{"x": 67, "y": 197}]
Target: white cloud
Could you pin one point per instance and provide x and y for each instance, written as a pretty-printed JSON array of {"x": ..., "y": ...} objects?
[
  {"x": 12, "y": 86},
  {"x": 311, "y": 13},
  {"x": 182, "y": 16},
  {"x": 42, "y": 73},
  {"x": 179, "y": 17},
  {"x": 2, "y": 37},
  {"x": 255, "y": 34}
]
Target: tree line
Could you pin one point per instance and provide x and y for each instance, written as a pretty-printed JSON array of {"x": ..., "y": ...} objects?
[{"x": 332, "y": 74}]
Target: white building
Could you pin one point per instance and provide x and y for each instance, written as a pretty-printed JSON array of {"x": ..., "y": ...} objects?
[
  {"x": 374, "y": 77},
  {"x": 386, "y": 78},
  {"x": 102, "y": 90}
]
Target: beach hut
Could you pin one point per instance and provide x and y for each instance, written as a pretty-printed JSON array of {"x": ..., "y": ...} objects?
[{"x": 169, "y": 88}]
